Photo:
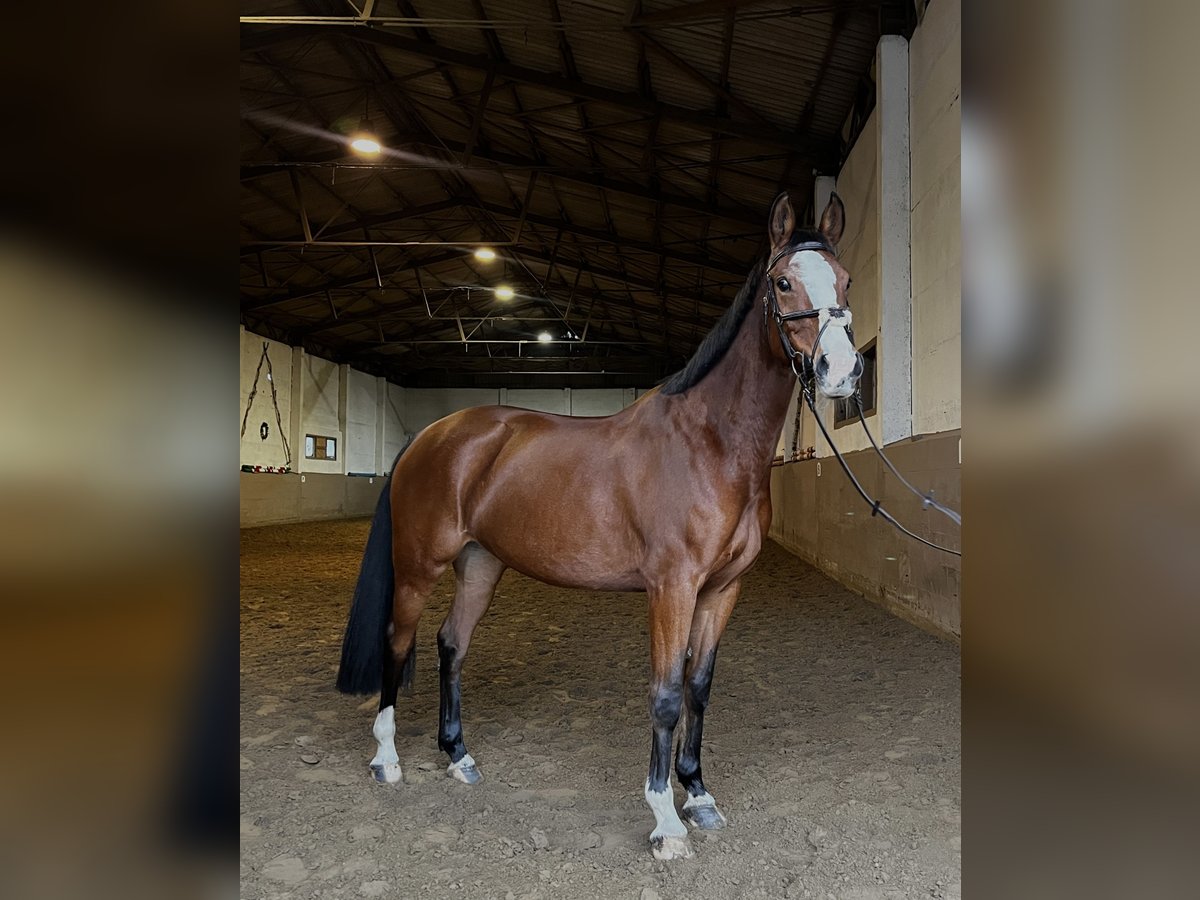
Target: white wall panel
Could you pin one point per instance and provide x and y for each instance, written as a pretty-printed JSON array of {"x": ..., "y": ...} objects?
[
  {"x": 254, "y": 451},
  {"x": 544, "y": 400},
  {"x": 320, "y": 395}
]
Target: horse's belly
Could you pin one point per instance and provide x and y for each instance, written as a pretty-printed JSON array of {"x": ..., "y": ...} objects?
[
  {"x": 562, "y": 537},
  {"x": 563, "y": 562}
]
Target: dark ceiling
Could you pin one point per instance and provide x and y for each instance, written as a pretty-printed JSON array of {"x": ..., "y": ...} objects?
[{"x": 619, "y": 157}]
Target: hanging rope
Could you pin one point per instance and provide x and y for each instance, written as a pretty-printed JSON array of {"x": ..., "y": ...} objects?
[{"x": 287, "y": 451}]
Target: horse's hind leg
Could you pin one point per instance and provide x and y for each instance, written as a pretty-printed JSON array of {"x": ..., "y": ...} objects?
[
  {"x": 399, "y": 660},
  {"x": 478, "y": 573},
  {"x": 708, "y": 624}
]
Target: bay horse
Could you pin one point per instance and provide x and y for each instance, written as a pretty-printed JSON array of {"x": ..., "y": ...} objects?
[{"x": 670, "y": 496}]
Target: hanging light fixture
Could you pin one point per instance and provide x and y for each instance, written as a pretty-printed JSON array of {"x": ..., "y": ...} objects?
[
  {"x": 545, "y": 337},
  {"x": 504, "y": 292},
  {"x": 485, "y": 254},
  {"x": 365, "y": 139}
]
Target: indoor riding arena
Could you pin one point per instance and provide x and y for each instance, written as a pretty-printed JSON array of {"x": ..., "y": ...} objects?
[{"x": 622, "y": 233}]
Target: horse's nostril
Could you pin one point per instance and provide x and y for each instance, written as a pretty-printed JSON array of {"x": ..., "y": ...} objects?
[
  {"x": 858, "y": 365},
  {"x": 822, "y": 365}
]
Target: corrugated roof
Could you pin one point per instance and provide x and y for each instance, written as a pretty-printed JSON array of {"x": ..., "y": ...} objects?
[{"x": 603, "y": 156}]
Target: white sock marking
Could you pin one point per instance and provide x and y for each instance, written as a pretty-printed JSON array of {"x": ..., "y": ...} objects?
[
  {"x": 386, "y": 757},
  {"x": 465, "y": 763},
  {"x": 456, "y": 770},
  {"x": 662, "y": 804},
  {"x": 705, "y": 799}
]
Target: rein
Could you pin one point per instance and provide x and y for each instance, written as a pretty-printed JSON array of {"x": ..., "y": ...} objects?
[
  {"x": 803, "y": 370},
  {"x": 877, "y": 505}
]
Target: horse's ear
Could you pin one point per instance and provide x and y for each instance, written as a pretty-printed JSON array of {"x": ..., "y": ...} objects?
[
  {"x": 781, "y": 223},
  {"x": 833, "y": 220}
]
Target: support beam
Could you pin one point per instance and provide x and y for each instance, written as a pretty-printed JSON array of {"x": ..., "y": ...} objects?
[
  {"x": 510, "y": 162},
  {"x": 477, "y": 120},
  {"x": 690, "y": 12},
  {"x": 337, "y": 284},
  {"x": 817, "y": 151},
  {"x": 720, "y": 90},
  {"x": 525, "y": 207},
  {"x": 304, "y": 226}
]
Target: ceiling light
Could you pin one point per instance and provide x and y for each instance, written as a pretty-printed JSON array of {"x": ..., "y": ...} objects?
[
  {"x": 504, "y": 292},
  {"x": 545, "y": 337},
  {"x": 485, "y": 254},
  {"x": 364, "y": 139}
]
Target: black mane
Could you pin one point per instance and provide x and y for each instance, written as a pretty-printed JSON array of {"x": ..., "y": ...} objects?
[{"x": 718, "y": 341}]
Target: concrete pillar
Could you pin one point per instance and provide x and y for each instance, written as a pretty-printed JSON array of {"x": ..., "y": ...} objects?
[
  {"x": 381, "y": 407},
  {"x": 895, "y": 315},
  {"x": 343, "y": 416},
  {"x": 296, "y": 419}
]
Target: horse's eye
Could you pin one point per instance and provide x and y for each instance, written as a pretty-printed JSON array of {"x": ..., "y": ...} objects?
[{"x": 783, "y": 285}]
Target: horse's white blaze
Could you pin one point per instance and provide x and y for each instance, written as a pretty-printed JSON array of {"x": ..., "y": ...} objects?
[
  {"x": 386, "y": 757},
  {"x": 662, "y": 804},
  {"x": 818, "y": 278},
  {"x": 820, "y": 283}
]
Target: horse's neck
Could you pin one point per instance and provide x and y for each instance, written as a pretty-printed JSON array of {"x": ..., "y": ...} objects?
[{"x": 746, "y": 395}]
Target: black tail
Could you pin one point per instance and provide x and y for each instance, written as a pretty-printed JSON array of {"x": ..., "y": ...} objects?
[{"x": 361, "y": 671}]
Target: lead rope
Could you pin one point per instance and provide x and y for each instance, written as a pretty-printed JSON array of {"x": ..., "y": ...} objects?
[
  {"x": 876, "y": 505},
  {"x": 927, "y": 501}
]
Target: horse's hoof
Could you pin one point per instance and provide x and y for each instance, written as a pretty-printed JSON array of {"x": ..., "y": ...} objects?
[
  {"x": 465, "y": 771},
  {"x": 706, "y": 818},
  {"x": 667, "y": 847},
  {"x": 387, "y": 773}
]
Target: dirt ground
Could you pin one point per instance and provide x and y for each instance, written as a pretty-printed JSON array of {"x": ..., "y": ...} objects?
[{"x": 831, "y": 744}]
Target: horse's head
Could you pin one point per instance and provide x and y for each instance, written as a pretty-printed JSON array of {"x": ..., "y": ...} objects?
[{"x": 806, "y": 295}]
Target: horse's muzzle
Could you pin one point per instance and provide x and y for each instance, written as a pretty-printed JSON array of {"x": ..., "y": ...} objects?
[{"x": 837, "y": 381}]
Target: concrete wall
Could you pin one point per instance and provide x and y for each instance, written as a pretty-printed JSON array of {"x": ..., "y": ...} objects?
[
  {"x": 820, "y": 517},
  {"x": 858, "y": 186},
  {"x": 361, "y": 420},
  {"x": 427, "y": 405},
  {"x": 320, "y": 409},
  {"x": 935, "y": 115},
  {"x": 277, "y": 499},
  {"x": 254, "y": 450},
  {"x": 393, "y": 419}
]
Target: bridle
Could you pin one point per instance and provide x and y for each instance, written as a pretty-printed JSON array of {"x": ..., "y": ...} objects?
[{"x": 801, "y": 362}]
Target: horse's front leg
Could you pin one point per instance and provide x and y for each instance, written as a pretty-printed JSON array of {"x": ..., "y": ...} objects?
[
  {"x": 671, "y": 612},
  {"x": 712, "y": 614}
]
